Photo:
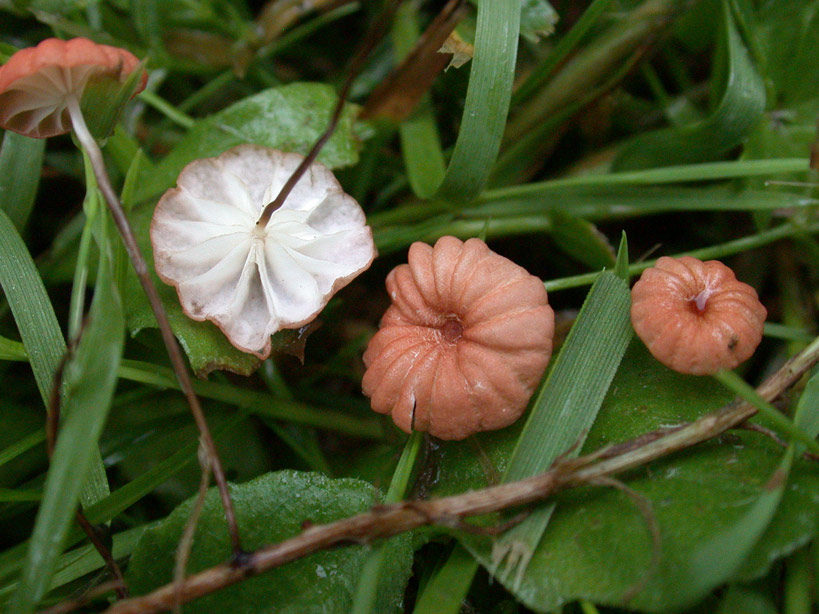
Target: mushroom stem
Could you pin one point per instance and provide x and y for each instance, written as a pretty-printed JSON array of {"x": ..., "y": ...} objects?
[{"x": 140, "y": 266}]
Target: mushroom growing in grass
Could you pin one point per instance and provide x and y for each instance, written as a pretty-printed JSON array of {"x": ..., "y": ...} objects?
[
  {"x": 695, "y": 317},
  {"x": 463, "y": 345},
  {"x": 42, "y": 92},
  {"x": 249, "y": 275}
]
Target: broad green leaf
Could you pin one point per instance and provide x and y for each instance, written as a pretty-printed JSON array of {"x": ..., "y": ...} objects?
[
  {"x": 290, "y": 117},
  {"x": 269, "y": 509},
  {"x": 21, "y": 158},
  {"x": 597, "y": 546},
  {"x": 90, "y": 377},
  {"x": 740, "y": 108},
  {"x": 487, "y": 101}
]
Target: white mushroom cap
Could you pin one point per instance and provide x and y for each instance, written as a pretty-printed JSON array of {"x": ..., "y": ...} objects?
[{"x": 252, "y": 282}]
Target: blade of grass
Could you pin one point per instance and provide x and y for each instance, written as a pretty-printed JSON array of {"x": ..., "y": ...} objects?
[
  {"x": 446, "y": 591},
  {"x": 22, "y": 446},
  {"x": 565, "y": 409},
  {"x": 367, "y": 589},
  {"x": 256, "y": 402},
  {"x": 420, "y": 143},
  {"x": 561, "y": 50},
  {"x": 487, "y": 101},
  {"x": 21, "y": 158},
  {"x": 30, "y": 306},
  {"x": 707, "y": 253},
  {"x": 777, "y": 419},
  {"x": 91, "y": 376},
  {"x": 741, "y": 105}
]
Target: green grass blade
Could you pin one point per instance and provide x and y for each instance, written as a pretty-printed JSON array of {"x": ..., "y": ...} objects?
[
  {"x": 739, "y": 110},
  {"x": 707, "y": 253},
  {"x": 446, "y": 591},
  {"x": 256, "y": 402},
  {"x": 621, "y": 267},
  {"x": 487, "y": 101},
  {"x": 366, "y": 595},
  {"x": 21, "y": 158},
  {"x": 30, "y": 306},
  {"x": 91, "y": 376},
  {"x": 420, "y": 143},
  {"x": 566, "y": 407},
  {"x": 562, "y": 49}
]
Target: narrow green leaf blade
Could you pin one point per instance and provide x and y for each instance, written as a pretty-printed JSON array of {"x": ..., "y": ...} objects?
[
  {"x": 741, "y": 106},
  {"x": 90, "y": 377},
  {"x": 487, "y": 101},
  {"x": 564, "y": 411},
  {"x": 31, "y": 307},
  {"x": 21, "y": 158}
]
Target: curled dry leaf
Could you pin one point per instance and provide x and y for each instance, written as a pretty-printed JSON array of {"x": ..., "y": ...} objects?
[
  {"x": 38, "y": 83},
  {"x": 251, "y": 280},
  {"x": 463, "y": 345},
  {"x": 695, "y": 317}
]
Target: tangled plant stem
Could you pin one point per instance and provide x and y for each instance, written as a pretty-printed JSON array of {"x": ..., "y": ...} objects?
[{"x": 140, "y": 266}]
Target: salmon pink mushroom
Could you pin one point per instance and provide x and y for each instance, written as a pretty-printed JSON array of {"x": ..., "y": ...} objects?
[
  {"x": 252, "y": 276},
  {"x": 695, "y": 317},
  {"x": 464, "y": 343},
  {"x": 41, "y": 87}
]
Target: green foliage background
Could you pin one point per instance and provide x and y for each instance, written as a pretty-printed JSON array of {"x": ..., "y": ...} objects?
[{"x": 688, "y": 124}]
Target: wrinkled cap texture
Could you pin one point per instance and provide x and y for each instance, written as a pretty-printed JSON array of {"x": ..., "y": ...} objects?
[
  {"x": 463, "y": 345},
  {"x": 253, "y": 281},
  {"x": 695, "y": 317},
  {"x": 36, "y": 82}
]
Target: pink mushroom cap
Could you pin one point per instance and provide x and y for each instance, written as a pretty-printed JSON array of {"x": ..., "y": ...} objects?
[
  {"x": 463, "y": 345},
  {"x": 695, "y": 317},
  {"x": 36, "y": 82}
]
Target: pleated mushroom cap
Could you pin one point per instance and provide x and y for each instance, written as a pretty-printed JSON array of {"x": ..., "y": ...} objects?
[
  {"x": 695, "y": 317},
  {"x": 36, "y": 82},
  {"x": 463, "y": 345},
  {"x": 252, "y": 281}
]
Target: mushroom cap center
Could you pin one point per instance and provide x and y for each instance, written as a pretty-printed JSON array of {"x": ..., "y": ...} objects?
[{"x": 452, "y": 329}]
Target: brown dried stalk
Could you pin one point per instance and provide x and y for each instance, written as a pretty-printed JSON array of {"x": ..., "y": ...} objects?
[
  {"x": 387, "y": 520},
  {"x": 398, "y": 95}
]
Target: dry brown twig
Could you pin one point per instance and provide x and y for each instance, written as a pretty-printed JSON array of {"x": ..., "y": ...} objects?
[{"x": 387, "y": 520}]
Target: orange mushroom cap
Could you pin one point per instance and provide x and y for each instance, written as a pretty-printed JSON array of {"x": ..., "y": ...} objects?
[
  {"x": 464, "y": 344},
  {"x": 36, "y": 82},
  {"x": 695, "y": 317}
]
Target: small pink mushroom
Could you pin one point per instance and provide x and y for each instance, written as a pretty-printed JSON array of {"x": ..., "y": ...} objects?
[
  {"x": 695, "y": 317},
  {"x": 41, "y": 87},
  {"x": 464, "y": 344}
]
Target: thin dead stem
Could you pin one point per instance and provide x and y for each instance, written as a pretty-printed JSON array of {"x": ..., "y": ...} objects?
[
  {"x": 140, "y": 266},
  {"x": 387, "y": 520}
]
